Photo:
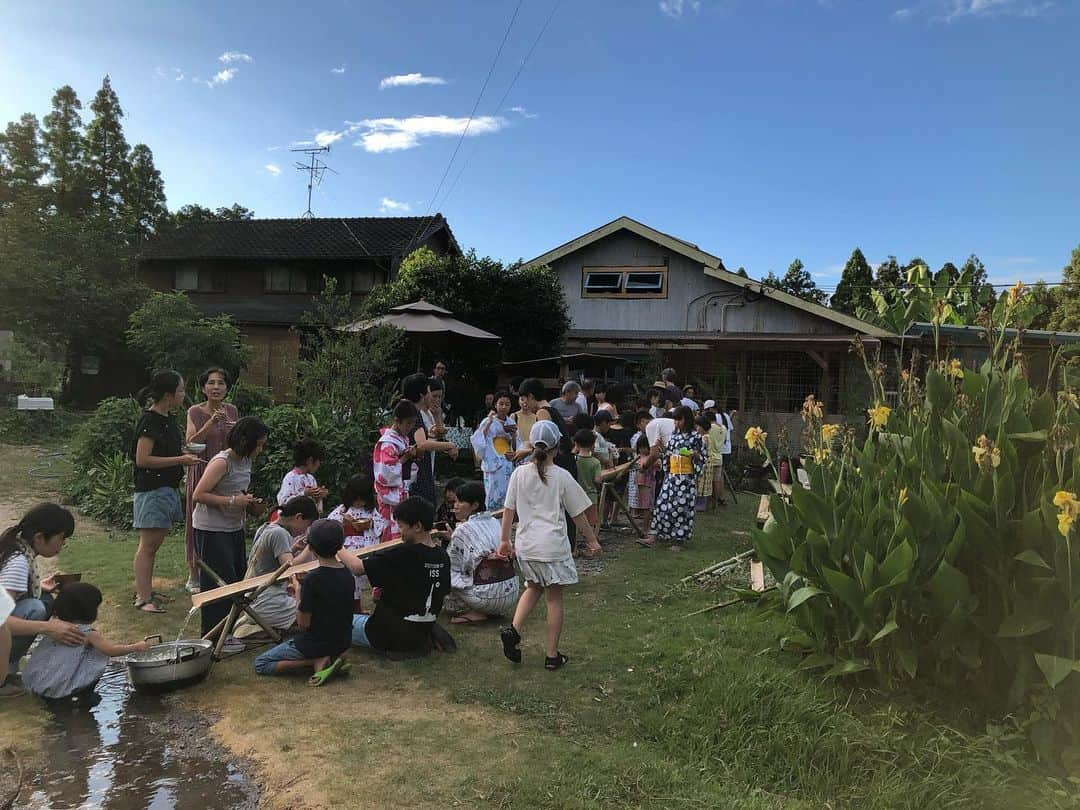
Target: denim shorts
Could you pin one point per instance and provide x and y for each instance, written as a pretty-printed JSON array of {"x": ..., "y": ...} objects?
[
  {"x": 265, "y": 664},
  {"x": 158, "y": 509}
]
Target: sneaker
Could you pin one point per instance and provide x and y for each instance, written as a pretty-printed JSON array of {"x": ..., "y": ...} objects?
[
  {"x": 192, "y": 586},
  {"x": 232, "y": 646}
]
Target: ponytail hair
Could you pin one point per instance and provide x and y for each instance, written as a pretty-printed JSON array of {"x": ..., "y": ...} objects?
[
  {"x": 162, "y": 383},
  {"x": 540, "y": 459},
  {"x": 47, "y": 519}
]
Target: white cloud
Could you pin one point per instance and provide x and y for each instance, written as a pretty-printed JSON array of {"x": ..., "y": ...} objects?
[
  {"x": 388, "y": 206},
  {"x": 338, "y": 70},
  {"x": 409, "y": 80},
  {"x": 677, "y": 8},
  {"x": 234, "y": 56},
  {"x": 327, "y": 137},
  {"x": 221, "y": 77},
  {"x": 176, "y": 74},
  {"x": 273, "y": 168},
  {"x": 396, "y": 134},
  {"x": 272, "y": 148},
  {"x": 301, "y": 143},
  {"x": 903, "y": 13},
  {"x": 952, "y": 10},
  {"x": 522, "y": 112}
]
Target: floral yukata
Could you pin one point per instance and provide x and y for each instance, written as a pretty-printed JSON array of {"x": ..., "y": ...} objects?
[
  {"x": 673, "y": 513},
  {"x": 391, "y": 487},
  {"x": 358, "y": 540},
  {"x": 491, "y": 441}
]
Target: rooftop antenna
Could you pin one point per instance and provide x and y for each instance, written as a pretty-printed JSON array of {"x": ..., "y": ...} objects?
[{"x": 315, "y": 169}]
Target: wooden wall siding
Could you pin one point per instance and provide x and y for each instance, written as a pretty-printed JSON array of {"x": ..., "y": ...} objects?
[
  {"x": 275, "y": 351},
  {"x": 688, "y": 305}
]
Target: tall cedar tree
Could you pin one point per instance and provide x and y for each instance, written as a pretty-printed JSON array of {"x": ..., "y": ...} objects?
[
  {"x": 797, "y": 281},
  {"x": 195, "y": 214},
  {"x": 853, "y": 291},
  {"x": 107, "y": 161},
  {"x": 1066, "y": 315},
  {"x": 64, "y": 150},
  {"x": 948, "y": 273},
  {"x": 21, "y": 154},
  {"x": 144, "y": 200}
]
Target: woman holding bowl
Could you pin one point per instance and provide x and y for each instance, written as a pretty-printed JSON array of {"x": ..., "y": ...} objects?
[{"x": 208, "y": 426}]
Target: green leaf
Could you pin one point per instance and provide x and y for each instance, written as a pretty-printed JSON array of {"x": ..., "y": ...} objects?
[
  {"x": 1042, "y": 412},
  {"x": 939, "y": 392},
  {"x": 801, "y": 595},
  {"x": 848, "y": 667},
  {"x": 897, "y": 566},
  {"x": 1032, "y": 557},
  {"x": 889, "y": 628},
  {"x": 948, "y": 587},
  {"x": 813, "y": 509},
  {"x": 1019, "y": 625},
  {"x": 1054, "y": 668},
  {"x": 1029, "y": 436},
  {"x": 908, "y": 660},
  {"x": 816, "y": 661},
  {"x": 846, "y": 588}
]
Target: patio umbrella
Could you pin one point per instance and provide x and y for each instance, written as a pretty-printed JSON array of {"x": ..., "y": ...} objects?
[{"x": 421, "y": 318}]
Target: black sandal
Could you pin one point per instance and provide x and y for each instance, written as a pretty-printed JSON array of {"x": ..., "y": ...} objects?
[
  {"x": 557, "y": 662},
  {"x": 510, "y": 640}
]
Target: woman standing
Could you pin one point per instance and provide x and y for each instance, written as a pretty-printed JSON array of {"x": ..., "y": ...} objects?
[
  {"x": 417, "y": 389},
  {"x": 208, "y": 423},
  {"x": 159, "y": 466},
  {"x": 221, "y": 501},
  {"x": 493, "y": 443},
  {"x": 683, "y": 458}
]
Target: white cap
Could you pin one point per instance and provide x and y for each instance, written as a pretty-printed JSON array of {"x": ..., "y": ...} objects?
[
  {"x": 545, "y": 433},
  {"x": 709, "y": 403}
]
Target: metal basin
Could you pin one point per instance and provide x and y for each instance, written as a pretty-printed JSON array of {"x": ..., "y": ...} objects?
[{"x": 170, "y": 665}]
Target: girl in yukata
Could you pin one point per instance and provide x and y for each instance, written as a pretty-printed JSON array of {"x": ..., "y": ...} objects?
[
  {"x": 359, "y": 516},
  {"x": 493, "y": 442},
  {"x": 392, "y": 452}
]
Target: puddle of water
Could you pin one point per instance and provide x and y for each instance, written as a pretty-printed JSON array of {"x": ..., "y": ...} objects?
[{"x": 132, "y": 752}]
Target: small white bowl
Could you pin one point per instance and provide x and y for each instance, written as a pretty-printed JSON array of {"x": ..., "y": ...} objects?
[{"x": 195, "y": 447}]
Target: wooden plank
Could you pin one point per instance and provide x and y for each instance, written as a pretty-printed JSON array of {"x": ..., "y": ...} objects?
[
  {"x": 206, "y": 597},
  {"x": 763, "y": 511},
  {"x": 615, "y": 473}
]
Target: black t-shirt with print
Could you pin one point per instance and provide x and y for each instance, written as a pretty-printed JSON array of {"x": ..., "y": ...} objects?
[
  {"x": 167, "y": 441},
  {"x": 414, "y": 579},
  {"x": 327, "y": 594}
]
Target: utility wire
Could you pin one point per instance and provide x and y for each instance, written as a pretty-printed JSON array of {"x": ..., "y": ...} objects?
[{"x": 422, "y": 226}]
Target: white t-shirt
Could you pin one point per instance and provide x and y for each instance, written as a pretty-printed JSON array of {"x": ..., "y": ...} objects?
[
  {"x": 662, "y": 429},
  {"x": 15, "y": 575},
  {"x": 540, "y": 507},
  {"x": 689, "y": 403},
  {"x": 725, "y": 420},
  {"x": 582, "y": 402}
]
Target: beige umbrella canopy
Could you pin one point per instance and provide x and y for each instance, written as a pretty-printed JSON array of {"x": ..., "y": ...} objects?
[{"x": 421, "y": 318}]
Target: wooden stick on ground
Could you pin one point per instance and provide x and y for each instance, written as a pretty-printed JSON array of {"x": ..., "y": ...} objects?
[
  {"x": 728, "y": 603},
  {"x": 732, "y": 561}
]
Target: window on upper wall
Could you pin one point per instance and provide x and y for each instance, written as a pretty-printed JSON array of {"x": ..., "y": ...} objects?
[
  {"x": 365, "y": 280},
  {"x": 624, "y": 282},
  {"x": 198, "y": 279},
  {"x": 285, "y": 280}
]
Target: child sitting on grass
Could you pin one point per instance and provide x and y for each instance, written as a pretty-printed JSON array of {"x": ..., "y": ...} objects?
[
  {"x": 359, "y": 516},
  {"x": 413, "y": 580},
  {"x": 588, "y": 471},
  {"x": 58, "y": 670},
  {"x": 324, "y": 614},
  {"x": 539, "y": 496}
]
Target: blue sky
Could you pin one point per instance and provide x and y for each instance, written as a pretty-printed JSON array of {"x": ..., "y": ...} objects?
[{"x": 761, "y": 130}]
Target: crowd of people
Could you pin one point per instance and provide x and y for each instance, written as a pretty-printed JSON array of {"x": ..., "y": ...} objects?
[{"x": 543, "y": 465}]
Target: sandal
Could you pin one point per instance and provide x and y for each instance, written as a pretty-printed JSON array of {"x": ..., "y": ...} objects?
[
  {"x": 511, "y": 638},
  {"x": 323, "y": 675},
  {"x": 148, "y": 607},
  {"x": 642, "y": 541},
  {"x": 557, "y": 662}
]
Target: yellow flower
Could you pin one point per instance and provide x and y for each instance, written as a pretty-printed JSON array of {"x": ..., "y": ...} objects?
[
  {"x": 879, "y": 415},
  {"x": 995, "y": 457},
  {"x": 956, "y": 369},
  {"x": 1016, "y": 292},
  {"x": 1067, "y": 501},
  {"x": 1065, "y": 522},
  {"x": 829, "y": 432},
  {"x": 755, "y": 438},
  {"x": 902, "y": 499},
  {"x": 905, "y": 375}
]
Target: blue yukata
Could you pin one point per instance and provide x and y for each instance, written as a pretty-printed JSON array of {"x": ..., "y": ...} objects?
[{"x": 490, "y": 442}]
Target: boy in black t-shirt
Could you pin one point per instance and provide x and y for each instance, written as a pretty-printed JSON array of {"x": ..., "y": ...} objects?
[
  {"x": 324, "y": 613},
  {"x": 414, "y": 578}
]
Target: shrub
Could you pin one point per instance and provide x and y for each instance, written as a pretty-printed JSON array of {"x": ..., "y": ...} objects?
[
  {"x": 941, "y": 547},
  {"x": 109, "y": 430},
  {"x": 36, "y": 427},
  {"x": 346, "y": 437},
  {"x": 108, "y": 490},
  {"x": 250, "y": 400}
]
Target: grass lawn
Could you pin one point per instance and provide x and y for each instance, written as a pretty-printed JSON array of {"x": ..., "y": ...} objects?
[{"x": 654, "y": 710}]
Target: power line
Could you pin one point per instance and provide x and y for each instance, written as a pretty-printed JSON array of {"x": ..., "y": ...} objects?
[
  {"x": 465, "y": 131},
  {"x": 509, "y": 87}
]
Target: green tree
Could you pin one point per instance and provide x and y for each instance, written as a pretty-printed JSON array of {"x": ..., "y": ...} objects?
[
  {"x": 1066, "y": 315},
  {"x": 1044, "y": 302},
  {"x": 742, "y": 272},
  {"x": 107, "y": 164},
  {"x": 889, "y": 273},
  {"x": 63, "y": 140},
  {"x": 144, "y": 200},
  {"x": 22, "y": 156},
  {"x": 797, "y": 281},
  {"x": 171, "y": 333},
  {"x": 524, "y": 305},
  {"x": 948, "y": 274},
  {"x": 194, "y": 214},
  {"x": 853, "y": 291}
]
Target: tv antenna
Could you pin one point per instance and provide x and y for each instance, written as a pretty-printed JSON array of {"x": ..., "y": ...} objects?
[{"x": 315, "y": 169}]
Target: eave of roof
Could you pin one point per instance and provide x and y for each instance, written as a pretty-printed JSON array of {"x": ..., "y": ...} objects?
[
  {"x": 976, "y": 334},
  {"x": 713, "y": 266}
]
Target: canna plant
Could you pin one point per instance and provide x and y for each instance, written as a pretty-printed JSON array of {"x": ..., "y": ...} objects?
[{"x": 943, "y": 547}]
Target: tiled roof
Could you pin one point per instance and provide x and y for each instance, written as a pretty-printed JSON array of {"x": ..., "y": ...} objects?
[{"x": 330, "y": 238}]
